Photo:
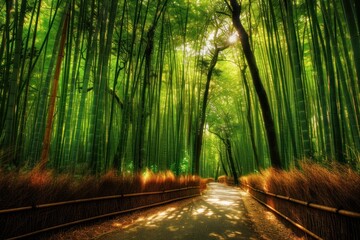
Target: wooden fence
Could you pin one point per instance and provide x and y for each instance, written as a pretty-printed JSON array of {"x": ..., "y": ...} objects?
[{"x": 26, "y": 222}]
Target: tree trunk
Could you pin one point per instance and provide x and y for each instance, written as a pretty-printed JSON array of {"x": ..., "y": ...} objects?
[
  {"x": 301, "y": 101},
  {"x": 248, "y": 117},
  {"x": 46, "y": 142},
  {"x": 260, "y": 90},
  {"x": 200, "y": 130},
  {"x": 231, "y": 160},
  {"x": 10, "y": 123},
  {"x": 140, "y": 135}
]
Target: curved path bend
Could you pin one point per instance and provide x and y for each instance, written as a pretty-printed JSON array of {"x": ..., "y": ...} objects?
[{"x": 217, "y": 214}]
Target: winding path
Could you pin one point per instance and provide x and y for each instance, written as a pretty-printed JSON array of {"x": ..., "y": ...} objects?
[{"x": 218, "y": 214}]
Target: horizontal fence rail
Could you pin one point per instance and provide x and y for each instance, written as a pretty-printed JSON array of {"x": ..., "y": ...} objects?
[
  {"x": 316, "y": 220},
  {"x": 25, "y": 222},
  {"x": 46, "y": 205},
  {"x": 310, "y": 204}
]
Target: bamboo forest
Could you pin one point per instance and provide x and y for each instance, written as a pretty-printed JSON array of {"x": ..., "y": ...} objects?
[
  {"x": 90, "y": 86},
  {"x": 166, "y": 96}
]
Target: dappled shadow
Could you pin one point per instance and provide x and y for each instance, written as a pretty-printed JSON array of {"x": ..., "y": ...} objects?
[{"x": 219, "y": 214}]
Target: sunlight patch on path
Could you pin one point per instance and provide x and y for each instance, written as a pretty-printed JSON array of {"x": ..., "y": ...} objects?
[{"x": 218, "y": 214}]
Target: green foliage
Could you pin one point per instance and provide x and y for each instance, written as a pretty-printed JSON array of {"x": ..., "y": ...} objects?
[{"x": 134, "y": 75}]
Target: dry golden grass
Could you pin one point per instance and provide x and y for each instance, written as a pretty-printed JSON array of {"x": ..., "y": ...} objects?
[
  {"x": 334, "y": 186},
  {"x": 226, "y": 179},
  {"x": 204, "y": 181},
  {"x": 40, "y": 187},
  {"x": 221, "y": 179},
  {"x": 35, "y": 187}
]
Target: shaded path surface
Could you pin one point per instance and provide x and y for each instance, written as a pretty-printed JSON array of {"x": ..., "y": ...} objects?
[{"x": 218, "y": 214}]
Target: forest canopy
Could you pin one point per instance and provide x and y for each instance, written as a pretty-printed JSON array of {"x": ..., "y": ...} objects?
[{"x": 90, "y": 86}]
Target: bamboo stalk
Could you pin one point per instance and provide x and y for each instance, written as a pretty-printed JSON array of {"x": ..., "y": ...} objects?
[{"x": 46, "y": 142}]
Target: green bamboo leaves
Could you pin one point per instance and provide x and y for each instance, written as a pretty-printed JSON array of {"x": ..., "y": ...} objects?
[
  {"x": 313, "y": 76},
  {"x": 135, "y": 88}
]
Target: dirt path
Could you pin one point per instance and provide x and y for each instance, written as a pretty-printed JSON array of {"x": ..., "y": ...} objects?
[{"x": 218, "y": 214}]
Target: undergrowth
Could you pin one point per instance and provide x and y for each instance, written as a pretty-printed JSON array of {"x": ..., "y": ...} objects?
[
  {"x": 335, "y": 185},
  {"x": 35, "y": 187}
]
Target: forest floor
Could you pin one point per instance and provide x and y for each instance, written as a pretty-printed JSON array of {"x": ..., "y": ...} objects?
[{"x": 222, "y": 212}]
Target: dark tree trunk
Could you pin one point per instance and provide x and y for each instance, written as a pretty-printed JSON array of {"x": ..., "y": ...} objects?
[
  {"x": 231, "y": 160},
  {"x": 200, "y": 130},
  {"x": 260, "y": 90},
  {"x": 223, "y": 165}
]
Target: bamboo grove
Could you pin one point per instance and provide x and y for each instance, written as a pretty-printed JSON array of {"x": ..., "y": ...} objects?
[{"x": 89, "y": 86}]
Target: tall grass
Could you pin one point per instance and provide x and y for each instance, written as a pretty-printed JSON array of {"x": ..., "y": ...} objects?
[
  {"x": 204, "y": 182},
  {"x": 41, "y": 187},
  {"x": 335, "y": 186},
  {"x": 35, "y": 187}
]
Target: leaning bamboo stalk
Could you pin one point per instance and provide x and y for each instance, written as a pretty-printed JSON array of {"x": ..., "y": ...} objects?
[
  {"x": 46, "y": 141},
  {"x": 275, "y": 157}
]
